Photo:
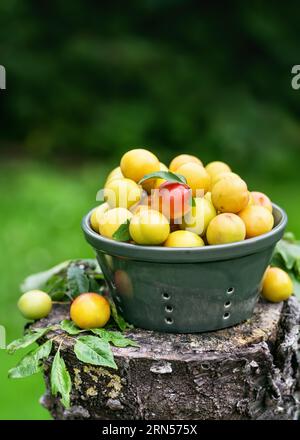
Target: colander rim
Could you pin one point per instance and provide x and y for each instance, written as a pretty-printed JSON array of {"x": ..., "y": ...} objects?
[{"x": 186, "y": 254}]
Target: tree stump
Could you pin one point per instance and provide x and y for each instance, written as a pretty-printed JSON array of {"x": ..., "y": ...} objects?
[{"x": 249, "y": 371}]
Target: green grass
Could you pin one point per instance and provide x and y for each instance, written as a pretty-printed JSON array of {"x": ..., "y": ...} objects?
[{"x": 41, "y": 210}]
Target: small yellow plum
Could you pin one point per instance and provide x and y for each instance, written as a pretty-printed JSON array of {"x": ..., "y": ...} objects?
[
  {"x": 258, "y": 220},
  {"x": 196, "y": 176},
  {"x": 35, "y": 304},
  {"x": 230, "y": 194},
  {"x": 217, "y": 167},
  {"x": 183, "y": 239},
  {"x": 198, "y": 218},
  {"x": 122, "y": 193},
  {"x": 135, "y": 164},
  {"x": 97, "y": 214},
  {"x": 90, "y": 310},
  {"x": 261, "y": 199},
  {"x": 111, "y": 220},
  {"x": 277, "y": 285},
  {"x": 181, "y": 160},
  {"x": 225, "y": 228},
  {"x": 116, "y": 173},
  {"x": 149, "y": 227}
]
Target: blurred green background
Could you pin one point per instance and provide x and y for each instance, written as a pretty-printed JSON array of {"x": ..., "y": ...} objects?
[{"x": 88, "y": 80}]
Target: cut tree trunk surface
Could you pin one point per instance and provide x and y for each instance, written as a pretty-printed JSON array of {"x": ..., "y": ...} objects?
[{"x": 249, "y": 371}]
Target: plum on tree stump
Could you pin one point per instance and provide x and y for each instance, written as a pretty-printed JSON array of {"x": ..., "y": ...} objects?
[{"x": 249, "y": 371}]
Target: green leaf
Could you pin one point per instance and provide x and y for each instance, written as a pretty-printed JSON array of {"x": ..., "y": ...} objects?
[
  {"x": 93, "y": 350},
  {"x": 296, "y": 284},
  {"x": 297, "y": 268},
  {"x": 30, "y": 363},
  {"x": 56, "y": 287},
  {"x": 122, "y": 233},
  {"x": 28, "y": 339},
  {"x": 98, "y": 276},
  {"x": 116, "y": 338},
  {"x": 69, "y": 327},
  {"x": 38, "y": 280},
  {"x": 60, "y": 379},
  {"x": 289, "y": 252},
  {"x": 93, "y": 285},
  {"x": 119, "y": 320},
  {"x": 78, "y": 281},
  {"x": 277, "y": 261},
  {"x": 166, "y": 175}
]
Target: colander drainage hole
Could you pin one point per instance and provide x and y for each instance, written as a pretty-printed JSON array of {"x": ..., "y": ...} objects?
[
  {"x": 226, "y": 315},
  {"x": 227, "y": 304},
  {"x": 230, "y": 290},
  {"x": 169, "y": 320},
  {"x": 169, "y": 309},
  {"x": 166, "y": 295}
]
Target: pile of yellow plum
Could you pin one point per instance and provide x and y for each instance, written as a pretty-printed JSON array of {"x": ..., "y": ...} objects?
[{"x": 185, "y": 204}]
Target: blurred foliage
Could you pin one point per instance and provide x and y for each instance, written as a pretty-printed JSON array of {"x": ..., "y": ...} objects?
[{"x": 96, "y": 78}]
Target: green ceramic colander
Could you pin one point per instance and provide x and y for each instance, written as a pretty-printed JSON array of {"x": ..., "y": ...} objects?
[{"x": 185, "y": 290}]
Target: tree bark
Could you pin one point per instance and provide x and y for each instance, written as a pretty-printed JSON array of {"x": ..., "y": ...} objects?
[{"x": 249, "y": 371}]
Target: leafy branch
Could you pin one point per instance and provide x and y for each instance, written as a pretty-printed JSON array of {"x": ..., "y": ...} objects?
[
  {"x": 93, "y": 347},
  {"x": 67, "y": 280}
]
